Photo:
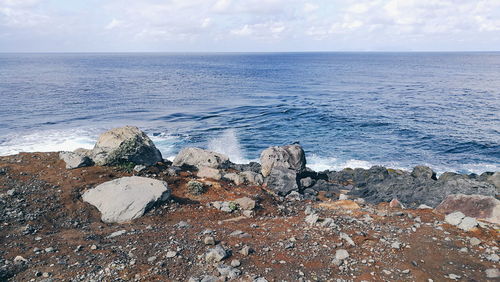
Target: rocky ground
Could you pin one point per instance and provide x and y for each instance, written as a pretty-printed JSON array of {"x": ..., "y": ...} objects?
[{"x": 47, "y": 233}]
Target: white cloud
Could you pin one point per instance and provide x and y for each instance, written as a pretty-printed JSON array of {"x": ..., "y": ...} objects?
[
  {"x": 231, "y": 22},
  {"x": 114, "y": 24},
  {"x": 269, "y": 30},
  {"x": 309, "y": 7}
]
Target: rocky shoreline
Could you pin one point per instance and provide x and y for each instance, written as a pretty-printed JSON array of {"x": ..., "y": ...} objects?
[{"x": 120, "y": 212}]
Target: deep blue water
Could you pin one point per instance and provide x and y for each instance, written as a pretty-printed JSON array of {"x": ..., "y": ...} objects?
[{"x": 346, "y": 109}]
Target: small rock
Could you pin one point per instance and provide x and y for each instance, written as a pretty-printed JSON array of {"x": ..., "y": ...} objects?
[
  {"x": 151, "y": 259},
  {"x": 20, "y": 259},
  {"x": 396, "y": 245},
  {"x": 343, "y": 197},
  {"x": 209, "y": 240},
  {"x": 245, "y": 203},
  {"x": 395, "y": 203},
  {"x": 182, "y": 224},
  {"x": 216, "y": 254},
  {"x": 454, "y": 218},
  {"x": 117, "y": 233},
  {"x": 139, "y": 168},
  {"x": 246, "y": 250},
  {"x": 468, "y": 223},
  {"x": 171, "y": 254},
  {"x": 493, "y": 258},
  {"x": 341, "y": 254},
  {"x": 235, "y": 263},
  {"x": 474, "y": 241},
  {"x": 312, "y": 219},
  {"x": 492, "y": 273},
  {"x": 347, "y": 239}
]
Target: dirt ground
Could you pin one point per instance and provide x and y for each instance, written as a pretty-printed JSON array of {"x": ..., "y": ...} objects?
[{"x": 61, "y": 238}]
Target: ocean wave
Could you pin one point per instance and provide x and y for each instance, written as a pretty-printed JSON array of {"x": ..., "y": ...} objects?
[
  {"x": 48, "y": 141},
  {"x": 227, "y": 143}
]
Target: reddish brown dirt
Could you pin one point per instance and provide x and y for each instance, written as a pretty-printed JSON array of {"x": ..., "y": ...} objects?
[{"x": 53, "y": 215}]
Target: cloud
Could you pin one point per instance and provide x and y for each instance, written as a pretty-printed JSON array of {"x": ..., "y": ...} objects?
[
  {"x": 21, "y": 13},
  {"x": 114, "y": 24},
  {"x": 216, "y": 24},
  {"x": 269, "y": 30}
]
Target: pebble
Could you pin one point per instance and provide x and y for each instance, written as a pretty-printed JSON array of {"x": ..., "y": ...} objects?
[
  {"x": 235, "y": 263},
  {"x": 216, "y": 254},
  {"x": 396, "y": 245},
  {"x": 209, "y": 240},
  {"x": 246, "y": 250},
  {"x": 492, "y": 273},
  {"x": 341, "y": 254},
  {"x": 474, "y": 241},
  {"x": 116, "y": 234},
  {"x": 493, "y": 258},
  {"x": 171, "y": 254}
]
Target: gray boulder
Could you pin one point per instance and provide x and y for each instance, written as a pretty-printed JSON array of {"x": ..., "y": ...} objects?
[
  {"x": 123, "y": 145},
  {"x": 75, "y": 160},
  {"x": 282, "y": 181},
  {"x": 200, "y": 158},
  {"x": 252, "y": 178},
  {"x": 289, "y": 157},
  {"x": 423, "y": 172},
  {"x": 126, "y": 198}
]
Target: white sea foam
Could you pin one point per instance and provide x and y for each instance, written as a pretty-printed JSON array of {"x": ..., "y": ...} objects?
[
  {"x": 228, "y": 144},
  {"x": 318, "y": 163},
  {"x": 48, "y": 141},
  {"x": 166, "y": 144},
  {"x": 69, "y": 140}
]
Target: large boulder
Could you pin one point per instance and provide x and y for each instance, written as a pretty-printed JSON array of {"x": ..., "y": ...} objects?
[
  {"x": 288, "y": 157},
  {"x": 200, "y": 158},
  {"x": 75, "y": 160},
  {"x": 477, "y": 206},
  {"x": 282, "y": 181},
  {"x": 126, "y": 198},
  {"x": 124, "y": 145}
]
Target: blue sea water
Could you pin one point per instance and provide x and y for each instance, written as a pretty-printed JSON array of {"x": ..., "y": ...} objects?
[{"x": 346, "y": 109}]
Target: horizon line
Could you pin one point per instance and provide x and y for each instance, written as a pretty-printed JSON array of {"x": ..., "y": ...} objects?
[{"x": 240, "y": 52}]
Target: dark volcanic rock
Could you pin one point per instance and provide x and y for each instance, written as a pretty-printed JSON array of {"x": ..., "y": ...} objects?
[
  {"x": 379, "y": 184},
  {"x": 252, "y": 166},
  {"x": 282, "y": 181}
]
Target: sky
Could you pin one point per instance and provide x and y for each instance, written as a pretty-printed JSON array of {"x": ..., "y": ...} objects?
[{"x": 248, "y": 25}]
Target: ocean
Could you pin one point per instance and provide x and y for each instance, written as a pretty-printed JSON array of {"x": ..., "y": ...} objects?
[{"x": 346, "y": 109}]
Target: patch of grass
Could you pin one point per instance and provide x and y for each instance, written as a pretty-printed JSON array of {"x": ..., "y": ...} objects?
[
  {"x": 126, "y": 166},
  {"x": 195, "y": 188}
]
